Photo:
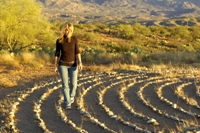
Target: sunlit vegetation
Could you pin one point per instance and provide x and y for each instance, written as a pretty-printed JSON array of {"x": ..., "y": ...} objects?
[
  {"x": 23, "y": 27},
  {"x": 138, "y": 44},
  {"x": 25, "y": 30}
]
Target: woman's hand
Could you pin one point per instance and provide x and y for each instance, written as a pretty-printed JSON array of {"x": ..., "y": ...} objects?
[
  {"x": 80, "y": 66},
  {"x": 56, "y": 70},
  {"x": 56, "y": 65}
]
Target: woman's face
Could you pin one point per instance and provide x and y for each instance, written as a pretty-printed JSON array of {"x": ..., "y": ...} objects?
[{"x": 68, "y": 32}]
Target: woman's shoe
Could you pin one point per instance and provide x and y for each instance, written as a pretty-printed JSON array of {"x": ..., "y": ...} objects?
[
  {"x": 72, "y": 100},
  {"x": 68, "y": 107}
]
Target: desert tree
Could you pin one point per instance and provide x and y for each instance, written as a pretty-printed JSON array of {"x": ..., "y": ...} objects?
[
  {"x": 141, "y": 29},
  {"x": 195, "y": 32},
  {"x": 23, "y": 26},
  {"x": 181, "y": 32},
  {"x": 125, "y": 31}
]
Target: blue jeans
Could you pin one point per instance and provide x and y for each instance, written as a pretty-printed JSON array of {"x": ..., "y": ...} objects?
[{"x": 69, "y": 76}]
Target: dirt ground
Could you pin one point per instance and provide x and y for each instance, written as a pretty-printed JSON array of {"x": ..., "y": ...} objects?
[
  {"x": 17, "y": 76},
  {"x": 132, "y": 119}
]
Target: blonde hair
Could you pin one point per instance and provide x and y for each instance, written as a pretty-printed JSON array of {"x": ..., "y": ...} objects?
[{"x": 66, "y": 26}]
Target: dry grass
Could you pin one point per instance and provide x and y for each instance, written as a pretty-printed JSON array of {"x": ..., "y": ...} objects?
[
  {"x": 161, "y": 66},
  {"x": 109, "y": 58},
  {"x": 26, "y": 58},
  {"x": 14, "y": 76},
  {"x": 8, "y": 59},
  {"x": 120, "y": 66},
  {"x": 23, "y": 67},
  {"x": 188, "y": 125},
  {"x": 7, "y": 83},
  {"x": 35, "y": 60},
  {"x": 110, "y": 67}
]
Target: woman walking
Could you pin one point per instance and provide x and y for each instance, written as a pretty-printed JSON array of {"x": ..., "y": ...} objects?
[{"x": 67, "y": 63}]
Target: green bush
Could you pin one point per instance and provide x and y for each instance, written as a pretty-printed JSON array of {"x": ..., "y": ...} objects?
[
  {"x": 22, "y": 25},
  {"x": 90, "y": 36},
  {"x": 124, "y": 31},
  {"x": 181, "y": 32}
]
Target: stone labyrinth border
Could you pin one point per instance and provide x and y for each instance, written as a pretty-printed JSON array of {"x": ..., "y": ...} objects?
[{"x": 123, "y": 87}]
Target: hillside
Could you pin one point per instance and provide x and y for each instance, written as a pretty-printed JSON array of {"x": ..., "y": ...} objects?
[{"x": 113, "y": 11}]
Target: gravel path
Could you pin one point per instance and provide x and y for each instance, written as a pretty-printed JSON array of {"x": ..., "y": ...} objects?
[{"x": 118, "y": 101}]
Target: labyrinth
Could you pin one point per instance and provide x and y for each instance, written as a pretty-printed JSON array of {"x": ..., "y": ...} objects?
[{"x": 122, "y": 101}]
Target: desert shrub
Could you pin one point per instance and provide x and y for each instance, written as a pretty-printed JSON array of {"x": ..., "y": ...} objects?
[
  {"x": 90, "y": 26},
  {"x": 28, "y": 58},
  {"x": 91, "y": 50},
  {"x": 164, "y": 32},
  {"x": 100, "y": 27},
  {"x": 130, "y": 58},
  {"x": 175, "y": 58},
  {"x": 88, "y": 58},
  {"x": 124, "y": 31},
  {"x": 188, "y": 57},
  {"x": 114, "y": 47},
  {"x": 181, "y": 32},
  {"x": 198, "y": 57},
  {"x": 79, "y": 33},
  {"x": 104, "y": 58},
  {"x": 57, "y": 25},
  {"x": 79, "y": 26},
  {"x": 195, "y": 30},
  {"x": 163, "y": 57},
  {"x": 35, "y": 59},
  {"x": 155, "y": 29},
  {"x": 186, "y": 48},
  {"x": 45, "y": 58},
  {"x": 8, "y": 59},
  {"x": 141, "y": 29},
  {"x": 196, "y": 46},
  {"x": 90, "y": 36},
  {"x": 125, "y": 47},
  {"x": 118, "y": 47}
]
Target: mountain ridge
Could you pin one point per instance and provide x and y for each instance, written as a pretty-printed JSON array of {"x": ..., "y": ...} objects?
[{"x": 91, "y": 11}]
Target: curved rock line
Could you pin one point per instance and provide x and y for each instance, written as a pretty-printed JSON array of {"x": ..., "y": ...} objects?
[
  {"x": 197, "y": 88},
  {"x": 59, "y": 109},
  {"x": 37, "y": 109},
  {"x": 181, "y": 94},
  {"x": 173, "y": 105},
  {"x": 129, "y": 107},
  {"x": 87, "y": 79},
  {"x": 64, "y": 117},
  {"x": 81, "y": 101},
  {"x": 161, "y": 112},
  {"x": 14, "y": 101},
  {"x": 111, "y": 113},
  {"x": 20, "y": 96},
  {"x": 85, "y": 113}
]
